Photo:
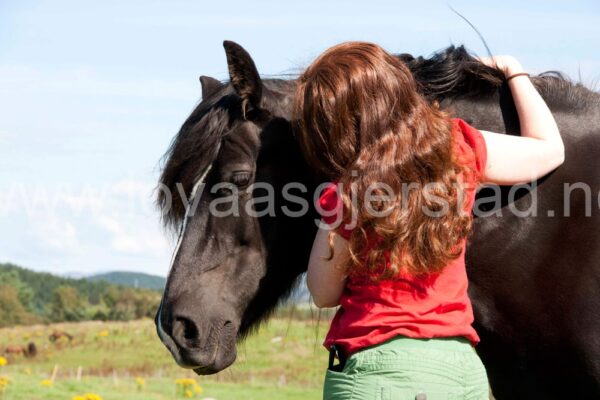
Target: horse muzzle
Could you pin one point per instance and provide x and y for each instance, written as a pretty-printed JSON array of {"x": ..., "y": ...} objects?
[{"x": 206, "y": 349}]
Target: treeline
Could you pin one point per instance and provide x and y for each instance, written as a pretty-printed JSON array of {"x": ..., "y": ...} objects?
[{"x": 28, "y": 297}]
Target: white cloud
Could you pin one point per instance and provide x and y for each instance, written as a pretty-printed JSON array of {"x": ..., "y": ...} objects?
[
  {"x": 86, "y": 227},
  {"x": 55, "y": 232},
  {"x": 133, "y": 235},
  {"x": 129, "y": 218}
]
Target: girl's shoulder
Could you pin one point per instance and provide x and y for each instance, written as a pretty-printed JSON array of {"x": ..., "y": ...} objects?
[
  {"x": 471, "y": 143},
  {"x": 330, "y": 209}
]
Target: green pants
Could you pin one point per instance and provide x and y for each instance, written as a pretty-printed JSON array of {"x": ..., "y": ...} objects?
[{"x": 402, "y": 368}]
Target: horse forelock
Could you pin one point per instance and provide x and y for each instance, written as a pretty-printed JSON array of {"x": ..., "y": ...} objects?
[
  {"x": 190, "y": 155},
  {"x": 195, "y": 147}
]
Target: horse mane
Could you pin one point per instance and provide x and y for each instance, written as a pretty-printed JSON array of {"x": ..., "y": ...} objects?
[
  {"x": 453, "y": 74},
  {"x": 562, "y": 93}
]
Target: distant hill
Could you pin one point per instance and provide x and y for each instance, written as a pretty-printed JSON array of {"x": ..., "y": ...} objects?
[
  {"x": 28, "y": 296},
  {"x": 41, "y": 285},
  {"x": 136, "y": 280}
]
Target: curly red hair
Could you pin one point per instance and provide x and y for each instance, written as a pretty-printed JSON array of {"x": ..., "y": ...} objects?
[{"x": 362, "y": 122}]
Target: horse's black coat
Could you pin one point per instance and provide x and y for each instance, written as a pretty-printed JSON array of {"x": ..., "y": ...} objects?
[{"x": 534, "y": 282}]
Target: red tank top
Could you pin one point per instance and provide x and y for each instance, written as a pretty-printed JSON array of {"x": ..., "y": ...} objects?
[{"x": 436, "y": 305}]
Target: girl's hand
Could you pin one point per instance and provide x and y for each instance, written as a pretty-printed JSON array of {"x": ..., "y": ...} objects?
[{"x": 507, "y": 64}]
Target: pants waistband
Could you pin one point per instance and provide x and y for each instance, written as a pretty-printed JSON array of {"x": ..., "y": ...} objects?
[
  {"x": 373, "y": 353},
  {"x": 453, "y": 344}
]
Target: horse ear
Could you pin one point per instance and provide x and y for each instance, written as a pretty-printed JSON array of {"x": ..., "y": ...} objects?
[
  {"x": 244, "y": 76},
  {"x": 209, "y": 86}
]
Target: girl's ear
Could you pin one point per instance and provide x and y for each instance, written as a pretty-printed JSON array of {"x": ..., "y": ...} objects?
[{"x": 244, "y": 76}]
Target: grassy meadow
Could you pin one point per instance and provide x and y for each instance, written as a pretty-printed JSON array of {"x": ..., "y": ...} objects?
[{"x": 125, "y": 360}]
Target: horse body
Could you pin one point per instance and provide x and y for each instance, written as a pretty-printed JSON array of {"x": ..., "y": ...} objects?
[
  {"x": 60, "y": 335},
  {"x": 14, "y": 350},
  {"x": 533, "y": 281},
  {"x": 28, "y": 351}
]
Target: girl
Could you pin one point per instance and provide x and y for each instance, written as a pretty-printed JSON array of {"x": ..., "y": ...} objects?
[{"x": 397, "y": 216}]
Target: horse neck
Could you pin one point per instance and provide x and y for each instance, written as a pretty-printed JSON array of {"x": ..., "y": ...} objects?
[{"x": 278, "y": 97}]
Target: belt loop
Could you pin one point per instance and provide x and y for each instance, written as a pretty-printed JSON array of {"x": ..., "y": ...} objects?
[{"x": 334, "y": 351}]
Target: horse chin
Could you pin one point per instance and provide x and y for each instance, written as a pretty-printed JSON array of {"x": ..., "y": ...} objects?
[
  {"x": 212, "y": 369},
  {"x": 206, "y": 371},
  {"x": 222, "y": 361}
]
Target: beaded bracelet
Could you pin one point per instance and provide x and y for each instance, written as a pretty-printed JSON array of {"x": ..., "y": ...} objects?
[{"x": 517, "y": 74}]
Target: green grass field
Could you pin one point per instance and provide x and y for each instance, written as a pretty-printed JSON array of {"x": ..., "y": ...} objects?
[{"x": 125, "y": 360}]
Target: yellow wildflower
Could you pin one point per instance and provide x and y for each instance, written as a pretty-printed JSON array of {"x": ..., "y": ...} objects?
[
  {"x": 103, "y": 333},
  {"x": 3, "y": 383},
  {"x": 92, "y": 396},
  {"x": 77, "y": 398},
  {"x": 188, "y": 387},
  {"x": 3, "y": 361},
  {"x": 47, "y": 382},
  {"x": 140, "y": 382},
  {"x": 185, "y": 382}
]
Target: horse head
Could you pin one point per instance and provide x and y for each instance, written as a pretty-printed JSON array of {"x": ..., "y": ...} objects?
[{"x": 236, "y": 188}]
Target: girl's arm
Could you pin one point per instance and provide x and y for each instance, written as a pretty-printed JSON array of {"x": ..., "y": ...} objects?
[
  {"x": 513, "y": 160},
  {"x": 325, "y": 282}
]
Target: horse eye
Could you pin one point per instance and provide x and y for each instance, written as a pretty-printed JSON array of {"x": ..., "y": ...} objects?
[{"x": 241, "y": 179}]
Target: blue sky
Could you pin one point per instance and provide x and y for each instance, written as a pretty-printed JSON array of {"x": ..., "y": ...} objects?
[{"x": 91, "y": 93}]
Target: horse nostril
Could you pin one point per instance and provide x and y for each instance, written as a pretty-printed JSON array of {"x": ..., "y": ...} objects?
[
  {"x": 228, "y": 327},
  {"x": 185, "y": 328}
]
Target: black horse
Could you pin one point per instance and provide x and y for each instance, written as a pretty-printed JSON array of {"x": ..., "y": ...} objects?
[{"x": 534, "y": 281}]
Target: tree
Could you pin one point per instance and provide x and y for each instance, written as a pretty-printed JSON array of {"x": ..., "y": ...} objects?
[
  {"x": 12, "y": 311},
  {"x": 24, "y": 291},
  {"x": 67, "y": 304}
]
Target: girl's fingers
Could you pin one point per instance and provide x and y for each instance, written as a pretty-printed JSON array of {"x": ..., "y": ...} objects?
[{"x": 494, "y": 62}]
